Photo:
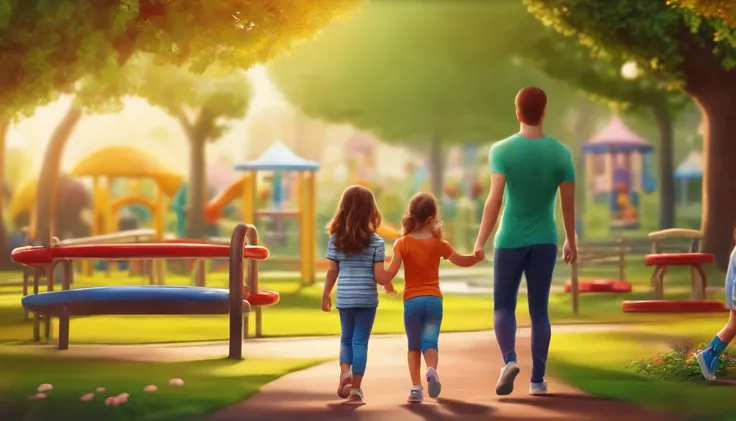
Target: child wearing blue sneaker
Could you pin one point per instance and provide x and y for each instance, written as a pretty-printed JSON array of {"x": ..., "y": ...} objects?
[{"x": 710, "y": 356}]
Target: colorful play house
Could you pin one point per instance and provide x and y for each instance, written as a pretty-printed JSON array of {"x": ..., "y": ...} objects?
[
  {"x": 277, "y": 161},
  {"x": 617, "y": 172}
]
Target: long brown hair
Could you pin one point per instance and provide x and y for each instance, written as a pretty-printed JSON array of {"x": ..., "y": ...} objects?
[
  {"x": 355, "y": 221},
  {"x": 422, "y": 207}
]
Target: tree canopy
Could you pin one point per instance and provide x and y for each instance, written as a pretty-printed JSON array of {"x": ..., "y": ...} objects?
[
  {"x": 724, "y": 9},
  {"x": 47, "y": 46},
  {"x": 681, "y": 50},
  {"x": 414, "y": 70}
]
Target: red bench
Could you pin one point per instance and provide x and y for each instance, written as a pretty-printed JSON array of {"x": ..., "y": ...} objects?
[{"x": 661, "y": 261}]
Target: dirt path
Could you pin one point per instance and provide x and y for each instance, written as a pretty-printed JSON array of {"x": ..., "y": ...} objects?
[{"x": 469, "y": 369}]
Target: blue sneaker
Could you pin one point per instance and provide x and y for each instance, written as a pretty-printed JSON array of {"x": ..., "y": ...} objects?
[
  {"x": 708, "y": 363},
  {"x": 505, "y": 383}
]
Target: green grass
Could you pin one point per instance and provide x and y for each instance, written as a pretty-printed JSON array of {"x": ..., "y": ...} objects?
[
  {"x": 596, "y": 363},
  {"x": 208, "y": 386},
  {"x": 298, "y": 314}
]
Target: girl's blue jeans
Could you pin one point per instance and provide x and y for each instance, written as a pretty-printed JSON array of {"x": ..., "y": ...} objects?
[{"x": 356, "y": 324}]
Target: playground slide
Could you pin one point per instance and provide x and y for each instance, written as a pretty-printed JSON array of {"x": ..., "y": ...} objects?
[
  {"x": 213, "y": 209},
  {"x": 388, "y": 231}
]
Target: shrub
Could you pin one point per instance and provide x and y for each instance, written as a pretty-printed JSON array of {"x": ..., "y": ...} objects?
[{"x": 679, "y": 363}]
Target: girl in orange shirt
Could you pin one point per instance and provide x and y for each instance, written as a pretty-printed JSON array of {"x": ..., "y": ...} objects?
[{"x": 420, "y": 248}]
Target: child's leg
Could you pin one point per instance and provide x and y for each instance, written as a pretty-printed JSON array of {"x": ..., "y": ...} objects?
[
  {"x": 430, "y": 338},
  {"x": 431, "y": 330},
  {"x": 413, "y": 326},
  {"x": 728, "y": 332},
  {"x": 347, "y": 326},
  {"x": 364, "y": 318},
  {"x": 347, "y": 323}
]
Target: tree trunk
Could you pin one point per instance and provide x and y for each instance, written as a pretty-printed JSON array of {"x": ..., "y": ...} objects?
[
  {"x": 49, "y": 178},
  {"x": 5, "y": 262},
  {"x": 714, "y": 90},
  {"x": 436, "y": 167},
  {"x": 662, "y": 116},
  {"x": 197, "y": 187}
]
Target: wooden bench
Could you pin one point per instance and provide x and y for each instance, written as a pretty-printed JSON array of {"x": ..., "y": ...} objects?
[{"x": 694, "y": 259}]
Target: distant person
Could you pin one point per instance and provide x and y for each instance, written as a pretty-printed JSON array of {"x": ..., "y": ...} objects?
[
  {"x": 354, "y": 252},
  {"x": 710, "y": 357},
  {"x": 527, "y": 170},
  {"x": 421, "y": 248}
]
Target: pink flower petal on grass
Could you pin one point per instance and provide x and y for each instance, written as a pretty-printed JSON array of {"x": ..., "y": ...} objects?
[
  {"x": 150, "y": 388},
  {"x": 39, "y": 396},
  {"x": 45, "y": 387},
  {"x": 100, "y": 389},
  {"x": 123, "y": 397},
  {"x": 88, "y": 397},
  {"x": 112, "y": 401},
  {"x": 176, "y": 382}
]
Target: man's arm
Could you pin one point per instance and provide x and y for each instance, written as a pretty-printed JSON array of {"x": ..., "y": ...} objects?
[
  {"x": 567, "y": 201},
  {"x": 491, "y": 209}
]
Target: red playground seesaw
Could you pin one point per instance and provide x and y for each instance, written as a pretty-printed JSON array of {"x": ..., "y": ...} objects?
[{"x": 148, "y": 300}]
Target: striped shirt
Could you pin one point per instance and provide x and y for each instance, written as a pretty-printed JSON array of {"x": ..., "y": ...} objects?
[{"x": 356, "y": 285}]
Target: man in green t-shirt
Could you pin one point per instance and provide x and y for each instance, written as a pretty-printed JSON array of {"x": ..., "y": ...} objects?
[{"x": 527, "y": 170}]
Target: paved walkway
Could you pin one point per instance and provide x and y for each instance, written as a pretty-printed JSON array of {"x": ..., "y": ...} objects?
[{"x": 469, "y": 365}]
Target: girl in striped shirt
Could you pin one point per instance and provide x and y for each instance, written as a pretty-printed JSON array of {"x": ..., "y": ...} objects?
[{"x": 355, "y": 254}]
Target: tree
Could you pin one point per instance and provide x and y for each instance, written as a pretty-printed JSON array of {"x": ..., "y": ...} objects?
[
  {"x": 93, "y": 40},
  {"x": 685, "y": 52},
  {"x": 202, "y": 103},
  {"x": 723, "y": 9},
  {"x": 600, "y": 78},
  {"x": 418, "y": 73}
]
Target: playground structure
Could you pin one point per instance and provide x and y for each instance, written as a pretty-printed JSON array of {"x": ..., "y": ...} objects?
[
  {"x": 236, "y": 301},
  {"x": 114, "y": 162},
  {"x": 278, "y": 159},
  {"x": 623, "y": 157},
  {"x": 662, "y": 261}
]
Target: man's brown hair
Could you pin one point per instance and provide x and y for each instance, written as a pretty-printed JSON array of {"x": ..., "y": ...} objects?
[
  {"x": 355, "y": 221},
  {"x": 422, "y": 207},
  {"x": 530, "y": 104}
]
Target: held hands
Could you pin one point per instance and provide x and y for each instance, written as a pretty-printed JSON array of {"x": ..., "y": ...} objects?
[
  {"x": 479, "y": 253},
  {"x": 389, "y": 288},
  {"x": 570, "y": 252},
  {"x": 326, "y": 303}
]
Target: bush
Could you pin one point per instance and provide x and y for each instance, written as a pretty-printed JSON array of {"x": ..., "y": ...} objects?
[{"x": 679, "y": 363}]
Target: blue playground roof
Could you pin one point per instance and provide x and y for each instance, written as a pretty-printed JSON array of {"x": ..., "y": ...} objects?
[
  {"x": 691, "y": 168},
  {"x": 278, "y": 158}
]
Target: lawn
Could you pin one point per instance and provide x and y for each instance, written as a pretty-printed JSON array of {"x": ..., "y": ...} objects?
[
  {"x": 596, "y": 363},
  {"x": 208, "y": 386},
  {"x": 298, "y": 314}
]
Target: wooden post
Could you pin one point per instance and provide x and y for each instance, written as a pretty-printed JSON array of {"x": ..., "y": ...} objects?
[
  {"x": 36, "y": 316},
  {"x": 49, "y": 287},
  {"x": 253, "y": 286},
  {"x": 200, "y": 273},
  {"x": 575, "y": 288},
  {"x": 64, "y": 317},
  {"x": 26, "y": 276},
  {"x": 235, "y": 281},
  {"x": 311, "y": 228},
  {"x": 303, "y": 226}
]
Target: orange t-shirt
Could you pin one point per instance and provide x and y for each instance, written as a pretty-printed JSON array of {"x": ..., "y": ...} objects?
[{"x": 421, "y": 259}]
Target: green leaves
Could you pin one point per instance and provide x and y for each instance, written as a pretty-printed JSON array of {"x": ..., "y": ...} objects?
[
  {"x": 47, "y": 47},
  {"x": 418, "y": 70}
]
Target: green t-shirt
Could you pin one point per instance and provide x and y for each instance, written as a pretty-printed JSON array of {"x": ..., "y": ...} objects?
[{"x": 534, "y": 169}]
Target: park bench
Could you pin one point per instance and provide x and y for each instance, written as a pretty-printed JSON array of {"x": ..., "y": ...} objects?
[{"x": 693, "y": 258}]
